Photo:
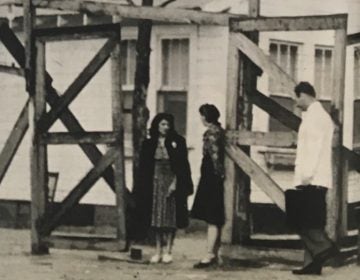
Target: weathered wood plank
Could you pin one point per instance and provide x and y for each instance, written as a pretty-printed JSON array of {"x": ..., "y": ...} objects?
[
  {"x": 140, "y": 111},
  {"x": 76, "y": 32},
  {"x": 78, "y": 84},
  {"x": 353, "y": 39},
  {"x": 118, "y": 127},
  {"x": 248, "y": 73},
  {"x": 151, "y": 13},
  {"x": 98, "y": 137},
  {"x": 263, "y": 61},
  {"x": 275, "y": 110},
  {"x": 337, "y": 213},
  {"x": 38, "y": 155},
  {"x": 258, "y": 175},
  {"x": 297, "y": 23},
  {"x": 14, "y": 140},
  {"x": 79, "y": 191},
  {"x": 230, "y": 183},
  {"x": 257, "y": 138},
  {"x": 12, "y": 70},
  {"x": 84, "y": 243},
  {"x": 16, "y": 49}
]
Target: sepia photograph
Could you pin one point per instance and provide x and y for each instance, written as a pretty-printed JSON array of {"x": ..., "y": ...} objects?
[{"x": 178, "y": 139}]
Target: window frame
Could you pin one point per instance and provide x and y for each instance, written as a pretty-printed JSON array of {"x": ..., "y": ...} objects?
[{"x": 279, "y": 42}]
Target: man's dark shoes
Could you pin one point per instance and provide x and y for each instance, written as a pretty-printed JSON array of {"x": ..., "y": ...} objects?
[
  {"x": 200, "y": 265},
  {"x": 312, "y": 268}
]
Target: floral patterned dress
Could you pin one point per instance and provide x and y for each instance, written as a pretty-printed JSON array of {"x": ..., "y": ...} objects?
[
  {"x": 163, "y": 206},
  {"x": 209, "y": 199}
]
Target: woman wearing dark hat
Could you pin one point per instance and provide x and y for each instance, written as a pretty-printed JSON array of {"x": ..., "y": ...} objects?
[
  {"x": 209, "y": 200},
  {"x": 161, "y": 192}
]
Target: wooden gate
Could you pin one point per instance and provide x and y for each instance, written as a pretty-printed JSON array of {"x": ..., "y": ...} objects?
[
  {"x": 39, "y": 86},
  {"x": 245, "y": 60}
]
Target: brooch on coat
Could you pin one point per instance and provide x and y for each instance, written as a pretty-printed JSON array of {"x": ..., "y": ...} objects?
[{"x": 173, "y": 144}]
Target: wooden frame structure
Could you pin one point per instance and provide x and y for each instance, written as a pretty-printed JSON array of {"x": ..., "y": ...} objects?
[
  {"x": 242, "y": 48},
  {"x": 245, "y": 62}
]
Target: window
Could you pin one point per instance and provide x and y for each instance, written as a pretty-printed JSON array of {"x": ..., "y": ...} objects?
[
  {"x": 285, "y": 55},
  {"x": 356, "y": 133},
  {"x": 323, "y": 74},
  {"x": 172, "y": 97},
  {"x": 357, "y": 73},
  {"x": 128, "y": 66}
]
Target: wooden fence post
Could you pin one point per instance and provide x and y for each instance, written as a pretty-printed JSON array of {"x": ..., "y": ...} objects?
[
  {"x": 337, "y": 211},
  {"x": 118, "y": 127}
]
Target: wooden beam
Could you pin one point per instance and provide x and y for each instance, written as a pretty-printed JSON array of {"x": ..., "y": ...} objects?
[
  {"x": 14, "y": 46},
  {"x": 84, "y": 243},
  {"x": 298, "y": 23},
  {"x": 80, "y": 190},
  {"x": 12, "y": 70},
  {"x": 38, "y": 156},
  {"x": 337, "y": 221},
  {"x": 139, "y": 12},
  {"x": 78, "y": 84},
  {"x": 118, "y": 127},
  {"x": 248, "y": 73},
  {"x": 76, "y": 32},
  {"x": 263, "y": 61},
  {"x": 257, "y": 138},
  {"x": 13, "y": 141},
  {"x": 140, "y": 111},
  {"x": 98, "y": 137},
  {"x": 353, "y": 39},
  {"x": 230, "y": 183},
  {"x": 258, "y": 175},
  {"x": 275, "y": 110}
]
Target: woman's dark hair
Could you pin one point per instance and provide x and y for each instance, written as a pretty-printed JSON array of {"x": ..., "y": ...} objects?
[
  {"x": 154, "y": 128},
  {"x": 210, "y": 113}
]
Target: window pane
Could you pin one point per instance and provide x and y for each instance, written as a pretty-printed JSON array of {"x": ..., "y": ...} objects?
[
  {"x": 128, "y": 55},
  {"x": 131, "y": 62},
  {"x": 323, "y": 73},
  {"x": 284, "y": 55},
  {"x": 357, "y": 73},
  {"x": 175, "y": 104},
  {"x": 124, "y": 57},
  {"x": 165, "y": 62},
  {"x": 175, "y": 63}
]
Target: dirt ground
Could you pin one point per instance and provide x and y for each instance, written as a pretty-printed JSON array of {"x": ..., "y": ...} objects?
[{"x": 17, "y": 263}]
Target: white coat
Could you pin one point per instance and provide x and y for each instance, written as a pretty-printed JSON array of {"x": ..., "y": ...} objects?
[{"x": 313, "y": 164}]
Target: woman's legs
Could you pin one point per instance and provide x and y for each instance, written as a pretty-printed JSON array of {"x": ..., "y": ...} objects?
[
  {"x": 213, "y": 241},
  {"x": 170, "y": 235},
  {"x": 158, "y": 239}
]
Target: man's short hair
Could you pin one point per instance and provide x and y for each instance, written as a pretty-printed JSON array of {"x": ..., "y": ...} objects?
[{"x": 305, "y": 87}]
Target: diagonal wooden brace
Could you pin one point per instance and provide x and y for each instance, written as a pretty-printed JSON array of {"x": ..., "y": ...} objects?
[
  {"x": 257, "y": 174},
  {"x": 14, "y": 140},
  {"x": 78, "y": 84},
  {"x": 16, "y": 49},
  {"x": 80, "y": 190}
]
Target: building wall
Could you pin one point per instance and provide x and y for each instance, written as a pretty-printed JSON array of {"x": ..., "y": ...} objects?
[{"x": 207, "y": 84}]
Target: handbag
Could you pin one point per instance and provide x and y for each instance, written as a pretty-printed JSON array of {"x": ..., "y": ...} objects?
[{"x": 306, "y": 207}]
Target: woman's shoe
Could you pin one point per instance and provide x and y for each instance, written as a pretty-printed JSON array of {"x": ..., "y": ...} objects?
[
  {"x": 155, "y": 258},
  {"x": 167, "y": 258},
  {"x": 207, "y": 263}
]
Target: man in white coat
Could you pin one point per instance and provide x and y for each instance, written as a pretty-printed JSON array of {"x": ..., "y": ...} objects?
[{"x": 313, "y": 172}]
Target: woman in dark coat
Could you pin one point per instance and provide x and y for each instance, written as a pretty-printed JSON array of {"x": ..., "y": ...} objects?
[
  {"x": 165, "y": 184},
  {"x": 209, "y": 200}
]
